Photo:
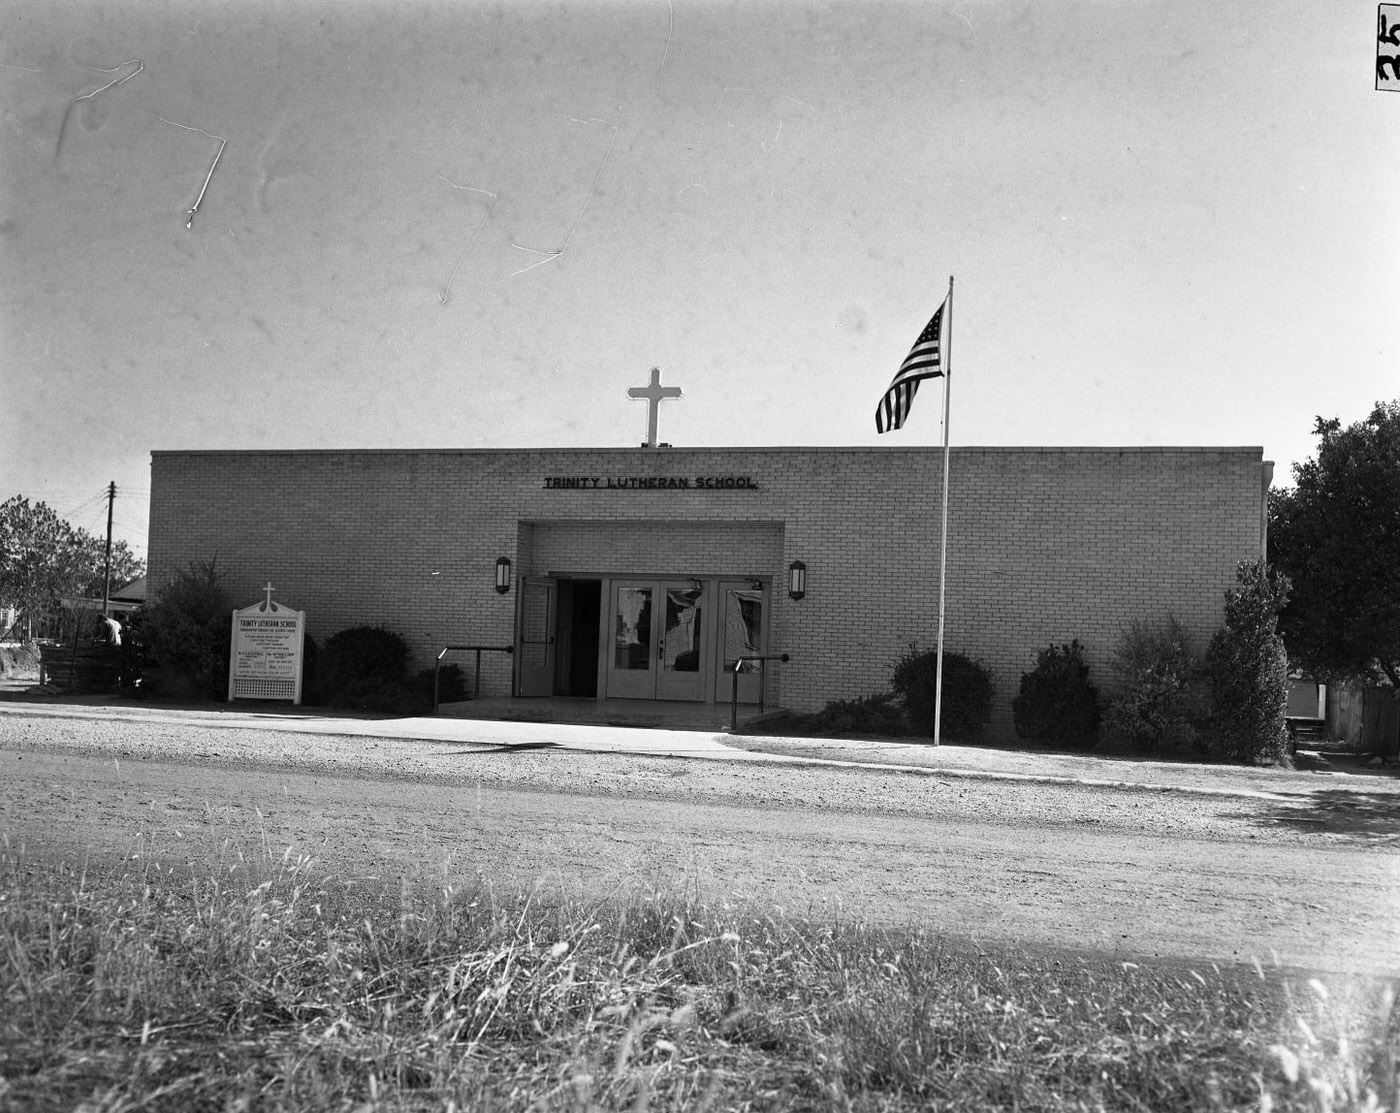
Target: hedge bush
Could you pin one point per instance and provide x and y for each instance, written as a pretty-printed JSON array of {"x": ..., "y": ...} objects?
[
  {"x": 967, "y": 693},
  {"x": 311, "y": 672},
  {"x": 365, "y": 668},
  {"x": 1156, "y": 708},
  {"x": 187, "y": 629},
  {"x": 1248, "y": 668},
  {"x": 451, "y": 684},
  {"x": 1057, "y": 706},
  {"x": 879, "y": 714}
]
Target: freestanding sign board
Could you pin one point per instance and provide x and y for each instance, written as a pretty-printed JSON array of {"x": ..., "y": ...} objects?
[{"x": 265, "y": 655}]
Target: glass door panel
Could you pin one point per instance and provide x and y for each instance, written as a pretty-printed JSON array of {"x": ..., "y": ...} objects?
[
  {"x": 655, "y": 653},
  {"x": 632, "y": 629},
  {"x": 631, "y": 662},
  {"x": 682, "y": 644},
  {"x": 742, "y": 636}
]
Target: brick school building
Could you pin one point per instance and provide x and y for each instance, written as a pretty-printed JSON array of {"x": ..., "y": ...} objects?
[{"x": 644, "y": 573}]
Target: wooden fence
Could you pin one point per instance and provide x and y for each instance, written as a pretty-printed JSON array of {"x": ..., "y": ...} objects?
[{"x": 1366, "y": 718}]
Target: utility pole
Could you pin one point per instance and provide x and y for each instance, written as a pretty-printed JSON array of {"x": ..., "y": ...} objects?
[{"x": 107, "y": 556}]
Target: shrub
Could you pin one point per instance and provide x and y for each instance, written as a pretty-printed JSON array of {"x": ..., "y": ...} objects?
[
  {"x": 1248, "y": 668},
  {"x": 311, "y": 672},
  {"x": 187, "y": 629},
  {"x": 365, "y": 668},
  {"x": 362, "y": 652},
  {"x": 1156, "y": 702},
  {"x": 451, "y": 684},
  {"x": 967, "y": 692},
  {"x": 1057, "y": 706},
  {"x": 376, "y": 693},
  {"x": 878, "y": 714}
]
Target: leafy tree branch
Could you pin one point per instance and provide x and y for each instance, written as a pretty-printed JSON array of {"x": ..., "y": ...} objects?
[{"x": 1336, "y": 535}]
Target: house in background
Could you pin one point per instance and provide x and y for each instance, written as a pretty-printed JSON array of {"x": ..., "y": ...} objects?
[
  {"x": 130, "y": 595},
  {"x": 1307, "y": 699}
]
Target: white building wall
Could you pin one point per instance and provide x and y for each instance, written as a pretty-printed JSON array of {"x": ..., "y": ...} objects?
[{"x": 1046, "y": 545}]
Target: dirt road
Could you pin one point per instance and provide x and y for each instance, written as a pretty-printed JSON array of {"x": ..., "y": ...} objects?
[{"x": 1312, "y": 881}]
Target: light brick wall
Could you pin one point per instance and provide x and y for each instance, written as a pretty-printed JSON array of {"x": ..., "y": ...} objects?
[
  {"x": 1046, "y": 544},
  {"x": 661, "y": 548},
  {"x": 1050, "y": 546}
]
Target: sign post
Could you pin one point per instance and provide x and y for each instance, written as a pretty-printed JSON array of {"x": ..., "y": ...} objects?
[{"x": 265, "y": 654}]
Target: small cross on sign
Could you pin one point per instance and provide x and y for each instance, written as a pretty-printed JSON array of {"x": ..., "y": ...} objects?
[
  {"x": 268, "y": 588},
  {"x": 653, "y": 393}
]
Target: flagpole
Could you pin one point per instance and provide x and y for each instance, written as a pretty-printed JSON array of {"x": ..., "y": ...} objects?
[{"x": 943, "y": 555}]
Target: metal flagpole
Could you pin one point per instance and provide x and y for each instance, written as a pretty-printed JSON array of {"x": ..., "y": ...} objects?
[{"x": 943, "y": 556}]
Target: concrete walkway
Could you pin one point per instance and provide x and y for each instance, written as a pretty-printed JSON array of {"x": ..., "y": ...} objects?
[
  {"x": 947, "y": 761},
  {"x": 440, "y": 728}
]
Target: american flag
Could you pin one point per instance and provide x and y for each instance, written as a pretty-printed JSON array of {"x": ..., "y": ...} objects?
[{"x": 924, "y": 361}]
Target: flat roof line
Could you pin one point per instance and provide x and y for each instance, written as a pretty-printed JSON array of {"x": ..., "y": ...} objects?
[{"x": 675, "y": 451}]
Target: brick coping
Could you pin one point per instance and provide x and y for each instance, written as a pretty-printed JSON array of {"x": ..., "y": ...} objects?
[{"x": 1067, "y": 450}]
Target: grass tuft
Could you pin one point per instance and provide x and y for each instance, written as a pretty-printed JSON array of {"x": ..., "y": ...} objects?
[{"x": 274, "y": 986}]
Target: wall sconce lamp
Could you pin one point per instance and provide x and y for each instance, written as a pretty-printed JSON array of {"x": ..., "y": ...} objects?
[
  {"x": 502, "y": 575},
  {"x": 797, "y": 580},
  {"x": 755, "y": 585}
]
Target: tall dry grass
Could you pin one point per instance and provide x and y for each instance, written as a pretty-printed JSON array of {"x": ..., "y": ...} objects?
[{"x": 271, "y": 985}]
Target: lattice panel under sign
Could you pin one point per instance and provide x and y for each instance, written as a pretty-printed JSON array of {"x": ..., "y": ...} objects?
[{"x": 264, "y": 689}]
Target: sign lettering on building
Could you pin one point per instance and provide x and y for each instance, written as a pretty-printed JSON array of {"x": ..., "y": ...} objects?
[{"x": 650, "y": 483}]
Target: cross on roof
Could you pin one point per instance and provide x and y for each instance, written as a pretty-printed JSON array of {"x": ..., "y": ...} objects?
[{"x": 653, "y": 393}]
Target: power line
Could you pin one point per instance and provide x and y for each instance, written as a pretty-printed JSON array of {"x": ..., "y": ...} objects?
[{"x": 85, "y": 505}]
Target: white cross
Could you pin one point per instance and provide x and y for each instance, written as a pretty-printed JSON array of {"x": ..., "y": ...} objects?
[
  {"x": 653, "y": 393},
  {"x": 268, "y": 588}
]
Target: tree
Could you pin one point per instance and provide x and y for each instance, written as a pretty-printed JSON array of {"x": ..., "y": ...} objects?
[
  {"x": 43, "y": 559},
  {"x": 125, "y": 566},
  {"x": 1336, "y": 536},
  {"x": 1248, "y": 668},
  {"x": 40, "y": 556}
]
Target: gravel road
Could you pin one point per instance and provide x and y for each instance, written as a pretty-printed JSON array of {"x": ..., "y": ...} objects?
[{"x": 1309, "y": 877}]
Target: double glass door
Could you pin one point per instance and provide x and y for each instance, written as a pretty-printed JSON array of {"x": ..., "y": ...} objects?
[
  {"x": 656, "y": 640},
  {"x": 660, "y": 638}
]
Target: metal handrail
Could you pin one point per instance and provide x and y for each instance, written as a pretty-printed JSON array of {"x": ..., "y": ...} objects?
[
  {"x": 476, "y": 680},
  {"x": 762, "y": 683}
]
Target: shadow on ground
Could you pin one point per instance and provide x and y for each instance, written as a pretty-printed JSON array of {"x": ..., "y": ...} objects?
[
  {"x": 1369, "y": 817},
  {"x": 507, "y": 748}
]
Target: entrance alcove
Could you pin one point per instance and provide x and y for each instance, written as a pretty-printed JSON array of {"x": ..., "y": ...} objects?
[{"x": 645, "y": 610}]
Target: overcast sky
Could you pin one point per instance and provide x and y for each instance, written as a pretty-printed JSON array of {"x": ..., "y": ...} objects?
[{"x": 477, "y": 224}]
